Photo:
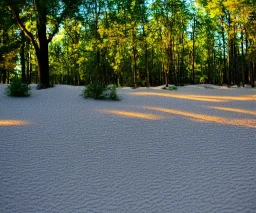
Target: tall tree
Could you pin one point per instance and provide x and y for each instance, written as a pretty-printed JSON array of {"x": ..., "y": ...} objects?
[{"x": 47, "y": 14}]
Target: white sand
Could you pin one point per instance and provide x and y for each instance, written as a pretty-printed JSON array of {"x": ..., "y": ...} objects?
[{"x": 80, "y": 155}]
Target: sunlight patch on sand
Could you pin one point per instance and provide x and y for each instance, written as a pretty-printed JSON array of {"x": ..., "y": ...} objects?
[
  {"x": 188, "y": 97},
  {"x": 206, "y": 98},
  {"x": 234, "y": 110},
  {"x": 229, "y": 98},
  {"x": 14, "y": 123},
  {"x": 207, "y": 118},
  {"x": 133, "y": 114}
]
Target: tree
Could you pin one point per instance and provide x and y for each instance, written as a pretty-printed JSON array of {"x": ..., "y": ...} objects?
[
  {"x": 47, "y": 15},
  {"x": 9, "y": 45}
]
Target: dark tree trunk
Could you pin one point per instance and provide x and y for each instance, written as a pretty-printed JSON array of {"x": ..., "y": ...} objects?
[
  {"x": 29, "y": 68},
  {"x": 43, "y": 65},
  {"x": 225, "y": 76},
  {"x": 166, "y": 77},
  {"x": 230, "y": 65},
  {"x": 98, "y": 69},
  {"x": 4, "y": 75},
  {"x": 30, "y": 72},
  {"x": 208, "y": 66},
  {"x": 243, "y": 59},
  {"x": 170, "y": 58},
  {"x": 193, "y": 59},
  {"x": 22, "y": 57},
  {"x": 182, "y": 61},
  {"x": 42, "y": 52},
  {"x": 236, "y": 67},
  {"x": 8, "y": 76},
  {"x": 146, "y": 65},
  {"x": 134, "y": 67},
  {"x": 252, "y": 74},
  {"x": 246, "y": 67}
]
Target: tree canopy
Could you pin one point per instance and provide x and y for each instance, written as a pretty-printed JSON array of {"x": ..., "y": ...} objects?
[{"x": 132, "y": 43}]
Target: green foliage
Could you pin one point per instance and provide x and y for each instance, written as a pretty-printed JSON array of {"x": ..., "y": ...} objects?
[
  {"x": 94, "y": 91},
  {"x": 111, "y": 92},
  {"x": 100, "y": 92},
  {"x": 172, "y": 88},
  {"x": 203, "y": 79},
  {"x": 135, "y": 43},
  {"x": 18, "y": 89}
]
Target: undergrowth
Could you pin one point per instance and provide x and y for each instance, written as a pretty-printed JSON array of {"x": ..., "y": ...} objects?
[
  {"x": 18, "y": 89},
  {"x": 101, "y": 92}
]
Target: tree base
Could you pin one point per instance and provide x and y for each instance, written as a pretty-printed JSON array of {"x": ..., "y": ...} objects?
[{"x": 43, "y": 86}]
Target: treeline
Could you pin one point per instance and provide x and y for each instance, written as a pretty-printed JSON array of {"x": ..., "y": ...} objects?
[{"x": 128, "y": 42}]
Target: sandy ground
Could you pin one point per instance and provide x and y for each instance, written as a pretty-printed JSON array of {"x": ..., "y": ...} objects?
[{"x": 186, "y": 151}]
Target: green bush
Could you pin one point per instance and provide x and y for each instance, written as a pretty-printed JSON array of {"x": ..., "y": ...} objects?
[
  {"x": 111, "y": 92},
  {"x": 172, "y": 88},
  {"x": 94, "y": 91},
  {"x": 18, "y": 89},
  {"x": 100, "y": 92}
]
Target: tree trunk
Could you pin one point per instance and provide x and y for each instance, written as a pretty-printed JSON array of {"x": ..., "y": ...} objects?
[
  {"x": 236, "y": 66},
  {"x": 193, "y": 59},
  {"x": 134, "y": 68},
  {"x": 29, "y": 68},
  {"x": 146, "y": 65},
  {"x": 252, "y": 74},
  {"x": 208, "y": 66},
  {"x": 243, "y": 59},
  {"x": 246, "y": 67},
  {"x": 166, "y": 76},
  {"x": 42, "y": 53},
  {"x": 22, "y": 57},
  {"x": 4, "y": 75},
  {"x": 224, "y": 56},
  {"x": 230, "y": 42},
  {"x": 43, "y": 65}
]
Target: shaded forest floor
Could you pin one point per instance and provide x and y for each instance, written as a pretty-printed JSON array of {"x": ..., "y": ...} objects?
[{"x": 190, "y": 150}]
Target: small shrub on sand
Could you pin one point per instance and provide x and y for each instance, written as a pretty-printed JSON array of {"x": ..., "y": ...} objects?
[
  {"x": 111, "y": 92},
  {"x": 94, "y": 91},
  {"x": 100, "y": 92},
  {"x": 172, "y": 88},
  {"x": 18, "y": 89}
]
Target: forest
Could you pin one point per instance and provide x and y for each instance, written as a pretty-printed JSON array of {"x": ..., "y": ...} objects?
[{"x": 128, "y": 42}]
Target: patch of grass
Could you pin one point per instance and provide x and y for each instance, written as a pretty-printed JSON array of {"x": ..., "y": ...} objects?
[
  {"x": 172, "y": 88},
  {"x": 18, "y": 89},
  {"x": 101, "y": 92}
]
